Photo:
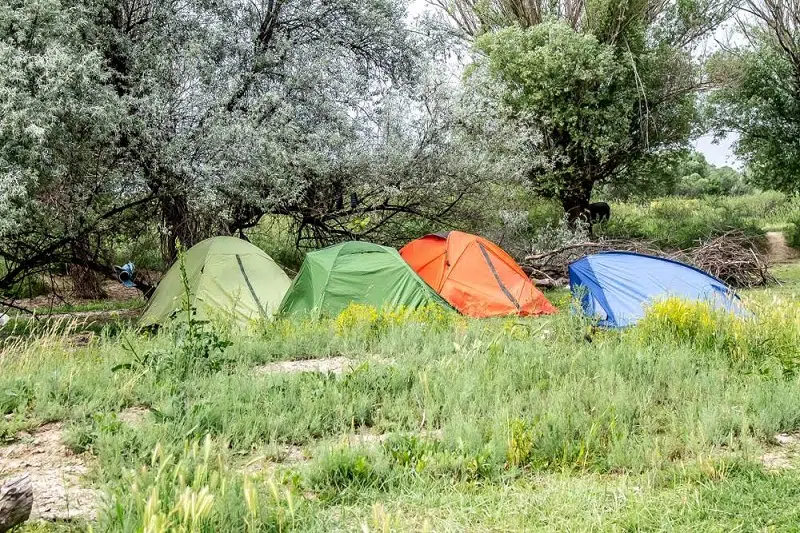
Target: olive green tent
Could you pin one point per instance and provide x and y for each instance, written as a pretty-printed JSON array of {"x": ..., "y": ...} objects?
[
  {"x": 225, "y": 275},
  {"x": 356, "y": 272}
]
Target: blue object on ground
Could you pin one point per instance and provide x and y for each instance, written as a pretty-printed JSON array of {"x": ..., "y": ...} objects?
[{"x": 125, "y": 274}]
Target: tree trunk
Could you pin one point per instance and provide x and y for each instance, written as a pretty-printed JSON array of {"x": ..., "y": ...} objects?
[
  {"x": 179, "y": 226},
  {"x": 86, "y": 283},
  {"x": 575, "y": 199},
  {"x": 16, "y": 502}
]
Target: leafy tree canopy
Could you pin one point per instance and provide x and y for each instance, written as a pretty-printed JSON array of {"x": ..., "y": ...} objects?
[
  {"x": 759, "y": 94},
  {"x": 205, "y": 116},
  {"x": 597, "y": 85}
]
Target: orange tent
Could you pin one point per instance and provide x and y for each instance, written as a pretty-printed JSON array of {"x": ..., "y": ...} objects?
[{"x": 475, "y": 275}]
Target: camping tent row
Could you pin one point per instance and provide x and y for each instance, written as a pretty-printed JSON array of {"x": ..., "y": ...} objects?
[
  {"x": 456, "y": 269},
  {"x": 226, "y": 275}
]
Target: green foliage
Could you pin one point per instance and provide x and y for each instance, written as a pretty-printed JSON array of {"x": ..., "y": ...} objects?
[
  {"x": 346, "y": 469},
  {"x": 274, "y": 236},
  {"x": 191, "y": 488},
  {"x": 676, "y": 223},
  {"x": 771, "y": 336},
  {"x": 681, "y": 173},
  {"x": 15, "y": 397},
  {"x": 105, "y": 156},
  {"x": 759, "y": 99},
  {"x": 593, "y": 89},
  {"x": 794, "y": 232},
  {"x": 572, "y": 86}
]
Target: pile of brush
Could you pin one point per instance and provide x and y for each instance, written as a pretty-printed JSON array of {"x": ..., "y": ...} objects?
[{"x": 734, "y": 257}]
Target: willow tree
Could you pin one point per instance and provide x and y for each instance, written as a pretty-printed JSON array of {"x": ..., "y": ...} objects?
[{"x": 598, "y": 85}]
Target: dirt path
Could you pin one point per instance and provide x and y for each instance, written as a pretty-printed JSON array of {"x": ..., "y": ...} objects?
[
  {"x": 784, "y": 454},
  {"x": 779, "y": 250},
  {"x": 55, "y": 472}
]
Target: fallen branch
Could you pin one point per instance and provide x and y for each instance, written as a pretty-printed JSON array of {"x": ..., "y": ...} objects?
[
  {"x": 16, "y": 502},
  {"x": 735, "y": 258}
]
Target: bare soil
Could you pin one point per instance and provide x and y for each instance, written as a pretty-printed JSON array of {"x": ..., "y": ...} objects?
[
  {"x": 786, "y": 453},
  {"x": 332, "y": 365},
  {"x": 55, "y": 472},
  {"x": 63, "y": 294},
  {"x": 59, "y": 491},
  {"x": 778, "y": 250}
]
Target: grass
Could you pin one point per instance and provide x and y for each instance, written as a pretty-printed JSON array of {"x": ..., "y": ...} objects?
[
  {"x": 94, "y": 305},
  {"x": 444, "y": 423},
  {"x": 698, "y": 219},
  {"x": 504, "y": 424}
]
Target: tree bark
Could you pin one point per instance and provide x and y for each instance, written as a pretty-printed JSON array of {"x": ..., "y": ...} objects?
[
  {"x": 179, "y": 225},
  {"x": 16, "y": 502},
  {"x": 575, "y": 199},
  {"x": 86, "y": 283}
]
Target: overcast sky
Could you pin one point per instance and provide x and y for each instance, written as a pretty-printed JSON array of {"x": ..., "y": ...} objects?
[{"x": 718, "y": 154}]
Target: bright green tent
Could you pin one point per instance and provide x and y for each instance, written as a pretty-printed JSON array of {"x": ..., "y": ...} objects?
[
  {"x": 226, "y": 275},
  {"x": 356, "y": 272}
]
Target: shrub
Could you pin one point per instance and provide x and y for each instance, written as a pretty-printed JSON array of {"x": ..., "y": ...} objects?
[
  {"x": 431, "y": 457},
  {"x": 771, "y": 335},
  {"x": 677, "y": 223},
  {"x": 793, "y": 232},
  {"x": 359, "y": 319}
]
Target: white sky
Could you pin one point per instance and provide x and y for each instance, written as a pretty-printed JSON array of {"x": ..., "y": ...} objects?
[{"x": 719, "y": 153}]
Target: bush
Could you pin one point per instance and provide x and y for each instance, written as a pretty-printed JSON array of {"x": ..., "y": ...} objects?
[
  {"x": 676, "y": 223},
  {"x": 346, "y": 468},
  {"x": 793, "y": 233},
  {"x": 365, "y": 320},
  {"x": 770, "y": 336}
]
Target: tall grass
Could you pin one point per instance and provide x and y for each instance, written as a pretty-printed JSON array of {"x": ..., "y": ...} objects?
[
  {"x": 674, "y": 222},
  {"x": 494, "y": 405}
]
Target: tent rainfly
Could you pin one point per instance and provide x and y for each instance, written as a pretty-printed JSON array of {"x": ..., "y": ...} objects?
[
  {"x": 616, "y": 287},
  {"x": 475, "y": 275},
  {"x": 226, "y": 275},
  {"x": 356, "y": 272}
]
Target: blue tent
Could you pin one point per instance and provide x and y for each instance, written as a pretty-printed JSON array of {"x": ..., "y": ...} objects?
[{"x": 617, "y": 287}]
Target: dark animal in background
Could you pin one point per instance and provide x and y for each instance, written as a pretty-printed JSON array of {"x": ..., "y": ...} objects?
[{"x": 599, "y": 212}]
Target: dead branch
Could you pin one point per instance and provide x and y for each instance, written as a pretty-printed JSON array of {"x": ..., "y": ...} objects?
[
  {"x": 735, "y": 258},
  {"x": 16, "y": 502}
]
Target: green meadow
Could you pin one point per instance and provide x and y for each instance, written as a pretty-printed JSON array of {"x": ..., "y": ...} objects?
[{"x": 423, "y": 421}]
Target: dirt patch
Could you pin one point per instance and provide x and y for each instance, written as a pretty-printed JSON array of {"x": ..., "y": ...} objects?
[
  {"x": 133, "y": 416},
  {"x": 268, "y": 461},
  {"x": 778, "y": 250},
  {"x": 63, "y": 295},
  {"x": 786, "y": 455},
  {"x": 330, "y": 365},
  {"x": 55, "y": 472}
]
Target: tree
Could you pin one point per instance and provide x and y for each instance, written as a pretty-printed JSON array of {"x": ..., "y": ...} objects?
[
  {"x": 759, "y": 93},
  {"x": 205, "y": 116},
  {"x": 61, "y": 184},
  {"x": 599, "y": 85}
]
